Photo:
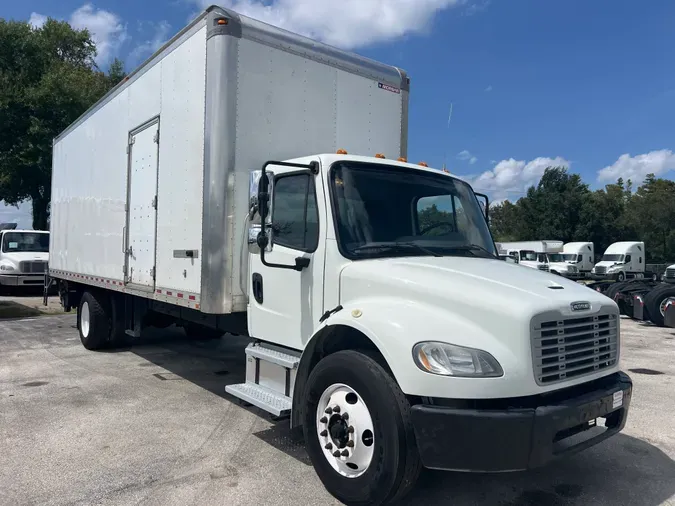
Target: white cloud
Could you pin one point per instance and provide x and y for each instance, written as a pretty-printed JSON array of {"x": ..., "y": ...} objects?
[
  {"x": 465, "y": 155},
  {"x": 105, "y": 27},
  {"x": 37, "y": 20},
  {"x": 511, "y": 178},
  {"x": 21, "y": 215},
  {"x": 344, "y": 23},
  {"x": 488, "y": 89},
  {"x": 160, "y": 35},
  {"x": 637, "y": 167}
]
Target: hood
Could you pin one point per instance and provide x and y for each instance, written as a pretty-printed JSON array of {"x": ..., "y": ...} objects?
[
  {"x": 467, "y": 285},
  {"x": 607, "y": 263},
  {"x": 24, "y": 256}
]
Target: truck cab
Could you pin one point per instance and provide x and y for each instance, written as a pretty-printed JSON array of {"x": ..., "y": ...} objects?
[
  {"x": 669, "y": 274},
  {"x": 621, "y": 261},
  {"x": 580, "y": 255},
  {"x": 23, "y": 257}
]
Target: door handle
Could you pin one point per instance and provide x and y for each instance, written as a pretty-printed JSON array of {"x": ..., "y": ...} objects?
[{"x": 257, "y": 287}]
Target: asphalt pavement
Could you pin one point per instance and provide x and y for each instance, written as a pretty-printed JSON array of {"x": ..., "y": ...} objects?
[{"x": 152, "y": 425}]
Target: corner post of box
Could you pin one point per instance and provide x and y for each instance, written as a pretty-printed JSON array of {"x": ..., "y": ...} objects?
[
  {"x": 405, "y": 96},
  {"x": 223, "y": 32}
]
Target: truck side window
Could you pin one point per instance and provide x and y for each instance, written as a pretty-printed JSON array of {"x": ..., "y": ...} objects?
[
  {"x": 627, "y": 258},
  {"x": 295, "y": 213}
]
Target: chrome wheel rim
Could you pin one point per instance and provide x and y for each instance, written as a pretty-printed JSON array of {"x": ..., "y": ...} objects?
[
  {"x": 85, "y": 317},
  {"x": 345, "y": 430}
]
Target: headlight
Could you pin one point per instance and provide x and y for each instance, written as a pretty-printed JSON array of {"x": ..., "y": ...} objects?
[
  {"x": 450, "y": 360},
  {"x": 6, "y": 268}
]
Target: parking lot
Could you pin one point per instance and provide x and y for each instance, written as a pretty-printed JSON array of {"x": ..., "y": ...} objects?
[{"x": 151, "y": 424}]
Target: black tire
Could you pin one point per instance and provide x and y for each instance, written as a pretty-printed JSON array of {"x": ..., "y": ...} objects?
[
  {"x": 613, "y": 289},
  {"x": 621, "y": 277},
  {"x": 396, "y": 463},
  {"x": 655, "y": 298},
  {"x": 201, "y": 332},
  {"x": 95, "y": 335}
]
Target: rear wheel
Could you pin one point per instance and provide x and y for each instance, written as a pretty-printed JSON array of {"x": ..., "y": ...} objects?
[
  {"x": 93, "y": 321},
  {"x": 656, "y": 301},
  {"x": 358, "y": 430}
]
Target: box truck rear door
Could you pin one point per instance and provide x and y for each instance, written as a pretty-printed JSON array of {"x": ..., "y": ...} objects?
[{"x": 142, "y": 206}]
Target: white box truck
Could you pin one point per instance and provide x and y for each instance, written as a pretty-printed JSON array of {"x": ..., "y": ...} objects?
[
  {"x": 199, "y": 192},
  {"x": 621, "y": 261},
  {"x": 23, "y": 257},
  {"x": 581, "y": 255}
]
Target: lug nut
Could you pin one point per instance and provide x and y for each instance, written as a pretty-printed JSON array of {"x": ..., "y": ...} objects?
[
  {"x": 351, "y": 429},
  {"x": 336, "y": 409},
  {"x": 329, "y": 411},
  {"x": 336, "y": 453},
  {"x": 324, "y": 420},
  {"x": 350, "y": 443},
  {"x": 324, "y": 433},
  {"x": 345, "y": 417},
  {"x": 329, "y": 446},
  {"x": 345, "y": 453}
]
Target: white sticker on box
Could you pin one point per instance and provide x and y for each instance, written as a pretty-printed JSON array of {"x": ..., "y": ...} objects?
[{"x": 617, "y": 399}]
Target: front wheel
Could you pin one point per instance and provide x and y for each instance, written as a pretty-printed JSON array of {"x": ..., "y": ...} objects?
[
  {"x": 358, "y": 430},
  {"x": 621, "y": 277}
]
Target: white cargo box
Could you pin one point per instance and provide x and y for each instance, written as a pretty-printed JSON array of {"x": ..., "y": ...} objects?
[{"x": 150, "y": 186}]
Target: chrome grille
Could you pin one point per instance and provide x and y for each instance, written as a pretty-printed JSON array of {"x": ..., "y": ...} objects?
[
  {"x": 601, "y": 270},
  {"x": 567, "y": 348},
  {"x": 543, "y": 268},
  {"x": 32, "y": 267},
  {"x": 670, "y": 273}
]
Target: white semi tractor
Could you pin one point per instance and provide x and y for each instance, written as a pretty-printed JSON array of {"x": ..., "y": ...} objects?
[
  {"x": 621, "y": 261},
  {"x": 581, "y": 255},
  {"x": 202, "y": 192},
  {"x": 24, "y": 255}
]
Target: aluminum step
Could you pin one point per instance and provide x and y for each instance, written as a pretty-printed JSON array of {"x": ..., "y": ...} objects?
[
  {"x": 274, "y": 355},
  {"x": 261, "y": 397}
]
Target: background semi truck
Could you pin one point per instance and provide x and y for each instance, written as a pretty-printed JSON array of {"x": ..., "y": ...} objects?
[
  {"x": 220, "y": 188},
  {"x": 621, "y": 261},
  {"x": 541, "y": 255},
  {"x": 581, "y": 255},
  {"x": 23, "y": 257}
]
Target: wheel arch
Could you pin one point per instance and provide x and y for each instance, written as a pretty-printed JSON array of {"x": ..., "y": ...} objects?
[{"x": 328, "y": 340}]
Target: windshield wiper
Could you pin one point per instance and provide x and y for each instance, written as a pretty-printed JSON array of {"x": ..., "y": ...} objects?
[
  {"x": 396, "y": 246},
  {"x": 472, "y": 248}
]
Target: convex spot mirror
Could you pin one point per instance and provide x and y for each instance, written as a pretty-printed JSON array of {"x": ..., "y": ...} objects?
[{"x": 259, "y": 209}]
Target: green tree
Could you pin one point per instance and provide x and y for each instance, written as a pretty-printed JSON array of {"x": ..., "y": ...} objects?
[
  {"x": 48, "y": 78},
  {"x": 651, "y": 213},
  {"x": 551, "y": 209},
  {"x": 506, "y": 221}
]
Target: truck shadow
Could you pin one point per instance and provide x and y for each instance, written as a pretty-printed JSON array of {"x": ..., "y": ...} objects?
[{"x": 622, "y": 470}]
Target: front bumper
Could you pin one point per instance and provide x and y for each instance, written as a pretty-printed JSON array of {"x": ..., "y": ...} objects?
[
  {"x": 528, "y": 433},
  {"x": 22, "y": 279}
]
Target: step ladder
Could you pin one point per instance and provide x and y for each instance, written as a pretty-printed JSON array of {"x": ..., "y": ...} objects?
[{"x": 270, "y": 377}]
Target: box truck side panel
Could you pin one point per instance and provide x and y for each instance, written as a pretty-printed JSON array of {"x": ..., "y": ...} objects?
[
  {"x": 96, "y": 169},
  {"x": 89, "y": 192},
  {"x": 181, "y": 162}
]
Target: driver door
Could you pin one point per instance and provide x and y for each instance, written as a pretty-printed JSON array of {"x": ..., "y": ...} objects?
[{"x": 284, "y": 304}]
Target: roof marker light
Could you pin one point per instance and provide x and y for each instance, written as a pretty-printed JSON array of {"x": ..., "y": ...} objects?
[
  {"x": 402, "y": 159},
  {"x": 341, "y": 152},
  {"x": 423, "y": 164},
  {"x": 380, "y": 155}
]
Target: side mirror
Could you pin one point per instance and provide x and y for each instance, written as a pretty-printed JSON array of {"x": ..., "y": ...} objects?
[
  {"x": 484, "y": 203},
  {"x": 260, "y": 197}
]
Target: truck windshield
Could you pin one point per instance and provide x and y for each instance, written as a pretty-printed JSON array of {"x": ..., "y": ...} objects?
[
  {"x": 612, "y": 258},
  {"x": 570, "y": 257},
  {"x": 31, "y": 242},
  {"x": 383, "y": 211},
  {"x": 530, "y": 256},
  {"x": 556, "y": 257}
]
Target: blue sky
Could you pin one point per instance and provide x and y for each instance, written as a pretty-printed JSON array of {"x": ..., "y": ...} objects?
[{"x": 584, "y": 83}]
